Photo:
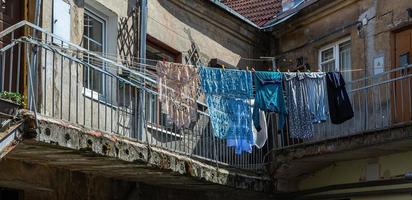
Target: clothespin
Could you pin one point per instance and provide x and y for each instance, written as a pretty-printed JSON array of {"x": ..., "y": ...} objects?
[
  {"x": 288, "y": 70},
  {"x": 223, "y": 66},
  {"x": 308, "y": 70},
  {"x": 253, "y": 69},
  {"x": 247, "y": 68},
  {"x": 278, "y": 69}
]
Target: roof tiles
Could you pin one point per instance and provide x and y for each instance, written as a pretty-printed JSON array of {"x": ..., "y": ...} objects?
[{"x": 257, "y": 11}]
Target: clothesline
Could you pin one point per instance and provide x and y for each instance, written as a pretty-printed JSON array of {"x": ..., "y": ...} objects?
[
  {"x": 108, "y": 55},
  {"x": 135, "y": 65},
  {"x": 111, "y": 56},
  {"x": 116, "y": 57}
]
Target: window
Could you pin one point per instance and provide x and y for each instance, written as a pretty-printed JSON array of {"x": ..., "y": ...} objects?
[
  {"x": 337, "y": 57},
  {"x": 94, "y": 39},
  {"x": 155, "y": 51}
]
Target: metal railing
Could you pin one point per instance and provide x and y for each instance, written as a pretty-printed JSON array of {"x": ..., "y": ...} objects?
[
  {"x": 379, "y": 102},
  {"x": 73, "y": 84},
  {"x": 70, "y": 83}
]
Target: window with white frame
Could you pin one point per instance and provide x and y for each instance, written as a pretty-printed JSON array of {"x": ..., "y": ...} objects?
[
  {"x": 94, "y": 40},
  {"x": 337, "y": 57}
]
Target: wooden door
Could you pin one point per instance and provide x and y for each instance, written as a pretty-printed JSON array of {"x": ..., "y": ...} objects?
[{"x": 402, "y": 93}]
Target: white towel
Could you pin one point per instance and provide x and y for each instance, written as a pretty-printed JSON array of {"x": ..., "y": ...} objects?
[{"x": 260, "y": 137}]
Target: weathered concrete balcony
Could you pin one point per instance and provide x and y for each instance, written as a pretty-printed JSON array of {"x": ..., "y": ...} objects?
[
  {"x": 382, "y": 124},
  {"x": 84, "y": 115}
]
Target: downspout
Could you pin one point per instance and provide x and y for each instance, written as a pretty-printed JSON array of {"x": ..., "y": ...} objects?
[
  {"x": 142, "y": 54},
  {"x": 37, "y": 13},
  {"x": 32, "y": 68}
]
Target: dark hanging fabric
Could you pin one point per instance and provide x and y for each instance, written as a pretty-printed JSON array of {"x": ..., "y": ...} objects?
[{"x": 340, "y": 107}]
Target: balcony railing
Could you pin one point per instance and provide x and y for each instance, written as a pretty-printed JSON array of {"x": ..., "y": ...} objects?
[
  {"x": 65, "y": 81},
  {"x": 380, "y": 102}
]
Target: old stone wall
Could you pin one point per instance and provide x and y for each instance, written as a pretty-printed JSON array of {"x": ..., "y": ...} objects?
[{"x": 327, "y": 22}]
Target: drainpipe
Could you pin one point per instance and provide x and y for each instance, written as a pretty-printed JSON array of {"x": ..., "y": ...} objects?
[
  {"x": 32, "y": 68},
  {"x": 37, "y": 13},
  {"x": 141, "y": 133}
]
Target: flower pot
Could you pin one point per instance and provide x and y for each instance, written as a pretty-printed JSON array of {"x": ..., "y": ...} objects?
[{"x": 8, "y": 107}]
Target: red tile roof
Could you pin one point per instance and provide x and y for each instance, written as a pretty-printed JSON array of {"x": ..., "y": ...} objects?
[{"x": 257, "y": 11}]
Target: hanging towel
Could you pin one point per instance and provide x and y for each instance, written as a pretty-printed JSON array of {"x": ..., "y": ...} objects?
[
  {"x": 340, "y": 107},
  {"x": 269, "y": 96},
  {"x": 316, "y": 90},
  {"x": 178, "y": 88},
  {"x": 260, "y": 137},
  {"x": 228, "y": 93},
  {"x": 299, "y": 115}
]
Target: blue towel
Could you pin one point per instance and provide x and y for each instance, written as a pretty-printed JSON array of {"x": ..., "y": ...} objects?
[{"x": 228, "y": 93}]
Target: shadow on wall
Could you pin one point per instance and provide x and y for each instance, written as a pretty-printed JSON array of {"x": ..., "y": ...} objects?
[{"x": 227, "y": 40}]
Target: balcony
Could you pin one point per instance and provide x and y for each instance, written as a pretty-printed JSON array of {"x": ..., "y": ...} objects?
[
  {"x": 79, "y": 100},
  {"x": 74, "y": 90},
  {"x": 380, "y": 102}
]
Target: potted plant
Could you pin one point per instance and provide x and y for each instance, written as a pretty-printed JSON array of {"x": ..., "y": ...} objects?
[{"x": 10, "y": 102}]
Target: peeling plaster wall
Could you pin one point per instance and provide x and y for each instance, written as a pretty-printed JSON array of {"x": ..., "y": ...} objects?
[
  {"x": 321, "y": 25},
  {"x": 217, "y": 34}
]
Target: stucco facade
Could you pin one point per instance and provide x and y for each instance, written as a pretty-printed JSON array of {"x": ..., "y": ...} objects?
[
  {"x": 179, "y": 23},
  {"x": 328, "y": 172},
  {"x": 369, "y": 24}
]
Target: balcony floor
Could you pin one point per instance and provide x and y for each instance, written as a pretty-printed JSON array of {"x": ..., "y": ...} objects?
[{"x": 76, "y": 148}]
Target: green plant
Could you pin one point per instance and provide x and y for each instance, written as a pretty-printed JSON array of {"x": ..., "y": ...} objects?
[{"x": 13, "y": 96}]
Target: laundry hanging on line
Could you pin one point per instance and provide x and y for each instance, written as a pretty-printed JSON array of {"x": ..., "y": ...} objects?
[
  {"x": 316, "y": 90},
  {"x": 269, "y": 96},
  {"x": 299, "y": 115},
  {"x": 339, "y": 103},
  {"x": 301, "y": 98},
  {"x": 228, "y": 95},
  {"x": 260, "y": 137},
  {"x": 178, "y": 89}
]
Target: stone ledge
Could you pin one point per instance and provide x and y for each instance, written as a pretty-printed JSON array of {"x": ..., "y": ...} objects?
[{"x": 67, "y": 135}]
